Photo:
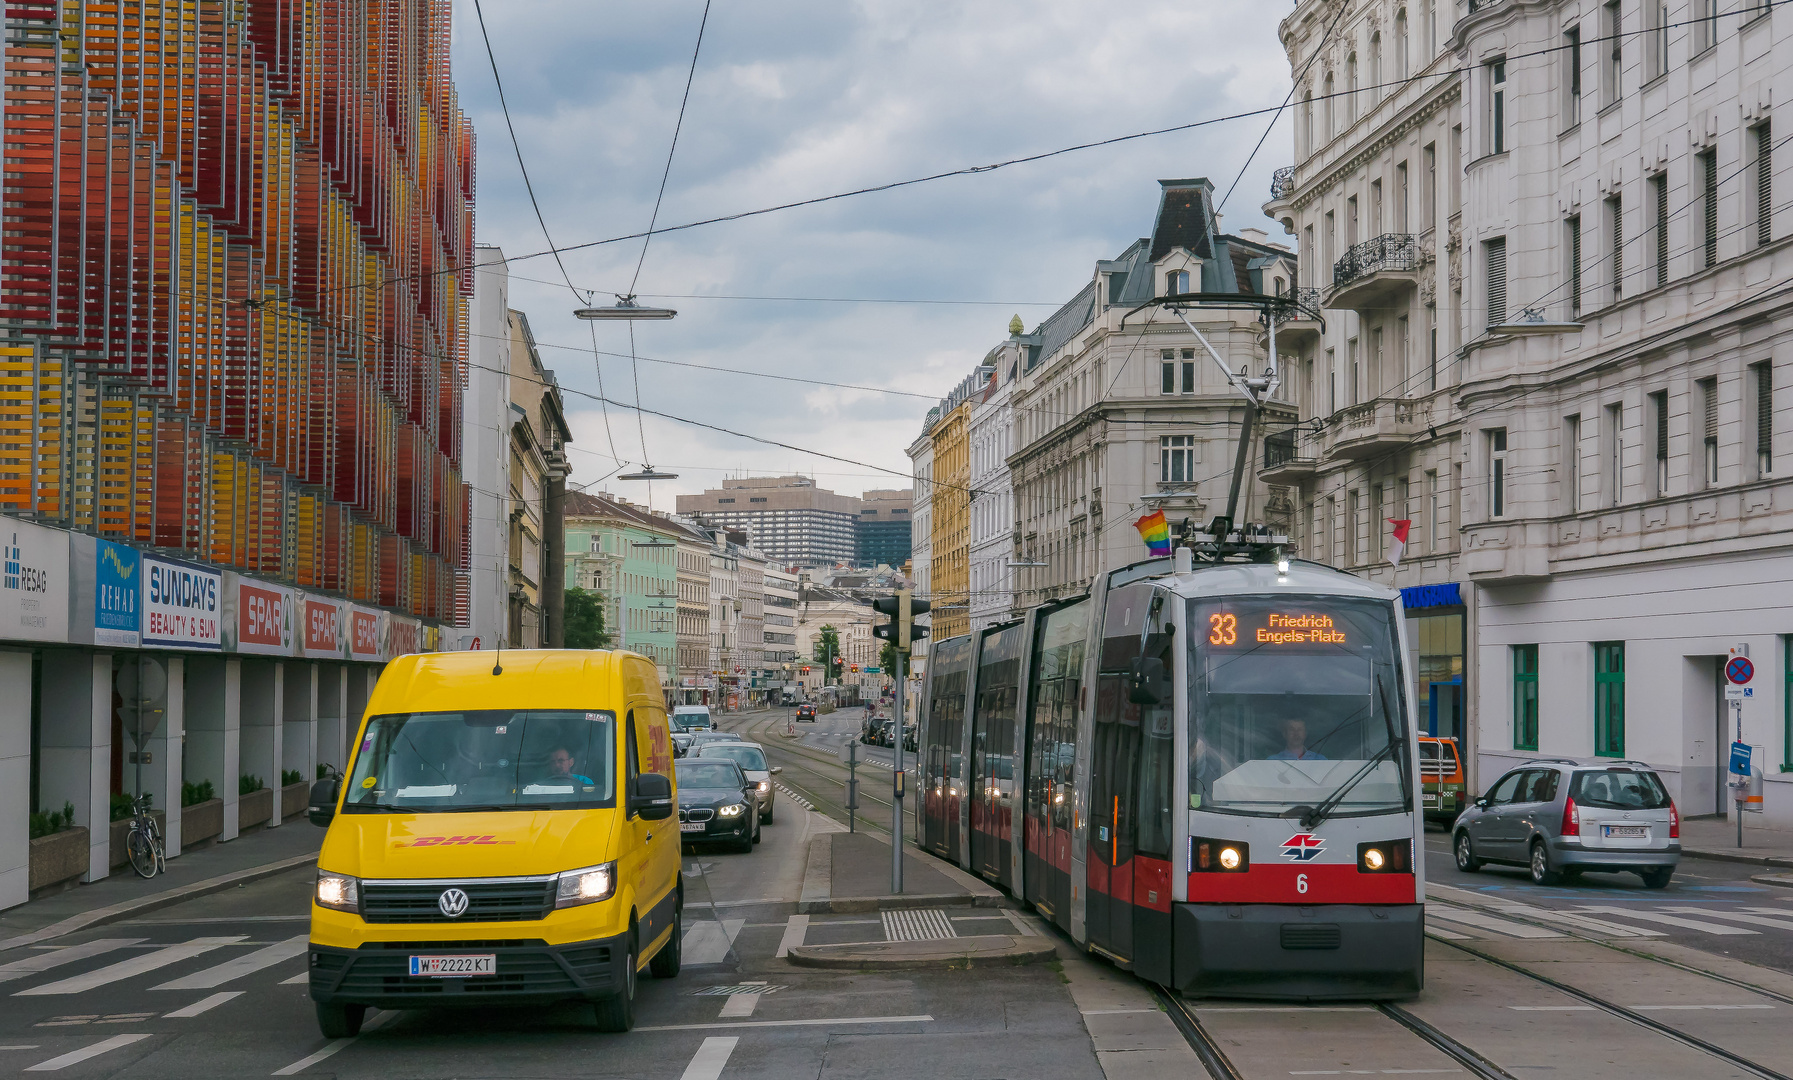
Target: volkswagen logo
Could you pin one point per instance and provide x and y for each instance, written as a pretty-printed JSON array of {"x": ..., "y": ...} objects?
[{"x": 453, "y": 903}]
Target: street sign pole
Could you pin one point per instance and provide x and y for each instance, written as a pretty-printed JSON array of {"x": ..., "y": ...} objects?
[
  {"x": 896, "y": 804},
  {"x": 1738, "y": 672}
]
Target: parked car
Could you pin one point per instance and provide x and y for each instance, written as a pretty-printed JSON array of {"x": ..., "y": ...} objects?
[
  {"x": 716, "y": 803},
  {"x": 886, "y": 735},
  {"x": 868, "y": 732},
  {"x": 806, "y": 714},
  {"x": 1561, "y": 816},
  {"x": 1441, "y": 779},
  {"x": 751, "y": 757}
]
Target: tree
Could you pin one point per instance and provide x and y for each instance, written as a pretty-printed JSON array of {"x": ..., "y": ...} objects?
[
  {"x": 827, "y": 648},
  {"x": 585, "y": 620},
  {"x": 887, "y": 659}
]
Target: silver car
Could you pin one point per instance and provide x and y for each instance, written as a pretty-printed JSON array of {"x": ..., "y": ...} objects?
[
  {"x": 752, "y": 759},
  {"x": 1560, "y": 816}
]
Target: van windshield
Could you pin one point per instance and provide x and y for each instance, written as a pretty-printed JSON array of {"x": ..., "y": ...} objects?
[{"x": 491, "y": 759}]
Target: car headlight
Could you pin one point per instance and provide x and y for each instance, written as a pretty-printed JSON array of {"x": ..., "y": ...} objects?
[
  {"x": 586, "y": 886},
  {"x": 338, "y": 891},
  {"x": 763, "y": 785},
  {"x": 732, "y": 810}
]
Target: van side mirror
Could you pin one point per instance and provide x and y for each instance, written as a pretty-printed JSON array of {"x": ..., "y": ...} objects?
[
  {"x": 1146, "y": 681},
  {"x": 321, "y": 807},
  {"x": 652, "y": 797}
]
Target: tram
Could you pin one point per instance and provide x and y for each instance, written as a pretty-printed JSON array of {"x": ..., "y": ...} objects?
[{"x": 1205, "y": 769}]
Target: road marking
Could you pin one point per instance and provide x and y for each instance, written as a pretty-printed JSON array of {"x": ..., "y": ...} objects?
[
  {"x": 1021, "y": 924},
  {"x": 216, "y": 919},
  {"x": 137, "y": 965},
  {"x": 710, "y": 942},
  {"x": 917, "y": 924},
  {"x": 75, "y": 1057},
  {"x": 204, "y": 1004},
  {"x": 793, "y": 1023},
  {"x": 296, "y": 980},
  {"x": 738, "y": 1005},
  {"x": 796, "y": 798},
  {"x": 1578, "y": 922},
  {"x": 333, "y": 1046},
  {"x": 1551, "y": 1008},
  {"x": 711, "y": 1057},
  {"x": 44, "y": 961},
  {"x": 81, "y": 1019},
  {"x": 240, "y": 966},
  {"x": 1446, "y": 935},
  {"x": 1285, "y": 1008},
  {"x": 1734, "y": 916},
  {"x": 1692, "y": 1008},
  {"x": 1373, "y": 1072},
  {"x": 1489, "y": 922},
  {"x": 1670, "y": 920},
  {"x": 796, "y": 928},
  {"x": 1116, "y": 1012}
]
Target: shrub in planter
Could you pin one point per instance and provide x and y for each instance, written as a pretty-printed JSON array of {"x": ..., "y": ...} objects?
[
  {"x": 291, "y": 776},
  {"x": 54, "y": 821},
  {"x": 248, "y": 784},
  {"x": 193, "y": 794},
  {"x": 121, "y": 807}
]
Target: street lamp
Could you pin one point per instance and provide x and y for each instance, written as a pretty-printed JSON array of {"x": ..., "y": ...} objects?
[
  {"x": 625, "y": 309},
  {"x": 1531, "y": 323},
  {"x": 648, "y": 473}
]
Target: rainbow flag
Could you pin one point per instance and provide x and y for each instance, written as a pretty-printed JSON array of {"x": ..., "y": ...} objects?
[{"x": 1155, "y": 531}]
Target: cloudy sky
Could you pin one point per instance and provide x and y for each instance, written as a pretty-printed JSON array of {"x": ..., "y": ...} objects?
[{"x": 800, "y": 98}]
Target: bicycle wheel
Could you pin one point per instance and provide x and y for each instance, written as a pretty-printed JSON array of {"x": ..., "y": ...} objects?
[
  {"x": 156, "y": 845},
  {"x": 143, "y": 856}
]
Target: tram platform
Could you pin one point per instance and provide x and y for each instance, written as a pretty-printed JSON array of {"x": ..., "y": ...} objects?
[{"x": 850, "y": 872}]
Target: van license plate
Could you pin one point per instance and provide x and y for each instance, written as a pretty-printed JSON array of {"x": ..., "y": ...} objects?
[
  {"x": 1634, "y": 832},
  {"x": 1429, "y": 800},
  {"x": 455, "y": 966},
  {"x": 691, "y": 826}
]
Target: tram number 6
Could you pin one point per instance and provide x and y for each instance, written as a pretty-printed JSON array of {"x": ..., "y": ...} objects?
[
  {"x": 1301, "y": 883},
  {"x": 1223, "y": 629}
]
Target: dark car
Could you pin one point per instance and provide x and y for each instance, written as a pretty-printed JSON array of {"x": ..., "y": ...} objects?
[
  {"x": 806, "y": 714},
  {"x": 716, "y": 803}
]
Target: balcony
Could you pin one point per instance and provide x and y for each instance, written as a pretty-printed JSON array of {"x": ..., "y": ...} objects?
[
  {"x": 1376, "y": 273},
  {"x": 1297, "y": 323},
  {"x": 1288, "y": 457},
  {"x": 1374, "y": 427},
  {"x": 1282, "y": 183}
]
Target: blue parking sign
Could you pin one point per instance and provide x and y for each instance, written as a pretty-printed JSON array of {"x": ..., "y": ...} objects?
[{"x": 1740, "y": 758}]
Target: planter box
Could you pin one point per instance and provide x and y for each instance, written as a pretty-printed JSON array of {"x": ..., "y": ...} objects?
[
  {"x": 293, "y": 800},
  {"x": 254, "y": 809},
  {"x": 59, "y": 859},
  {"x": 121, "y": 829},
  {"x": 201, "y": 823}
]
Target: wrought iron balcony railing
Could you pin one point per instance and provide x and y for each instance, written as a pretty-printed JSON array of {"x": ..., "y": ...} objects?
[
  {"x": 1299, "y": 303},
  {"x": 1282, "y": 182},
  {"x": 1390, "y": 251},
  {"x": 1281, "y": 448}
]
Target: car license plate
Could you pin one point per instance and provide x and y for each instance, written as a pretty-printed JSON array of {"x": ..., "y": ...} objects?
[
  {"x": 691, "y": 826},
  {"x": 453, "y": 966},
  {"x": 1429, "y": 800},
  {"x": 1634, "y": 832}
]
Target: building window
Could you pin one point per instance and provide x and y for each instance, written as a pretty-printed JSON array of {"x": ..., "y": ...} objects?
[
  {"x": 1373, "y": 384},
  {"x": 1353, "y": 510},
  {"x": 1375, "y": 523},
  {"x": 1659, "y": 406},
  {"x": 1431, "y": 510},
  {"x": 597, "y": 545},
  {"x": 754, "y": 500},
  {"x": 1432, "y": 342},
  {"x": 1403, "y": 350},
  {"x": 1708, "y": 163},
  {"x": 1615, "y": 231},
  {"x": 1352, "y": 383},
  {"x": 1705, "y": 31},
  {"x": 1763, "y": 177},
  {"x": 1497, "y": 106},
  {"x": 1709, "y": 399},
  {"x": 1612, "y": 72},
  {"x": 1572, "y": 463},
  {"x": 1170, "y": 368},
  {"x": 1572, "y": 247},
  {"x": 1525, "y": 697},
  {"x": 1615, "y": 454},
  {"x": 1496, "y": 250},
  {"x": 1787, "y": 703},
  {"x": 1572, "y": 77},
  {"x": 1497, "y": 471},
  {"x": 1176, "y": 282},
  {"x": 1177, "y": 459},
  {"x": 1609, "y": 698},
  {"x": 1764, "y": 417},
  {"x": 1659, "y": 226},
  {"x": 1429, "y": 198},
  {"x": 725, "y": 500},
  {"x": 1332, "y": 376},
  {"x": 1401, "y": 46},
  {"x": 1402, "y": 224},
  {"x": 1657, "y": 13}
]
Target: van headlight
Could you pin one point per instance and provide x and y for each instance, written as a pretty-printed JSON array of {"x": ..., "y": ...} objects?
[
  {"x": 732, "y": 810},
  {"x": 586, "y": 886},
  {"x": 338, "y": 891}
]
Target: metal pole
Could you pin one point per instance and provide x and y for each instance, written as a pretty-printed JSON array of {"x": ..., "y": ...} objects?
[
  {"x": 896, "y": 804},
  {"x": 1743, "y": 784},
  {"x": 852, "y": 783}
]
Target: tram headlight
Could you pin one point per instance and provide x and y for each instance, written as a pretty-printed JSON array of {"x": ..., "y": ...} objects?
[
  {"x": 1372, "y": 859},
  {"x": 1210, "y": 856},
  {"x": 1385, "y": 857}
]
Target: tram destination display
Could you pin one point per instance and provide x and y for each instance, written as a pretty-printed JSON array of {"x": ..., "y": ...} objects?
[{"x": 1231, "y": 629}]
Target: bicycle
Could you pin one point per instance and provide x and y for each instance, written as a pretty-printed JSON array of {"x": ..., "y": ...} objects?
[{"x": 144, "y": 842}]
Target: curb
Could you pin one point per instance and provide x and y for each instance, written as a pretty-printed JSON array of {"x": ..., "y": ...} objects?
[
  {"x": 155, "y": 901},
  {"x": 995, "y": 950},
  {"x": 1715, "y": 855},
  {"x": 1785, "y": 881},
  {"x": 845, "y": 905}
]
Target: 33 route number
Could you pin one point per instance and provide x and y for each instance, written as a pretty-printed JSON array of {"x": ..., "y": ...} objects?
[{"x": 1223, "y": 629}]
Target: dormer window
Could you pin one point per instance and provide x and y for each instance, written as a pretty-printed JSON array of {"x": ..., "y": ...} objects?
[{"x": 1176, "y": 282}]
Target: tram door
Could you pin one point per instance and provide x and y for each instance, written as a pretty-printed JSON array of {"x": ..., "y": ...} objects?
[
  {"x": 942, "y": 763},
  {"x": 1055, "y": 700},
  {"x": 993, "y": 752},
  {"x": 1114, "y": 775}
]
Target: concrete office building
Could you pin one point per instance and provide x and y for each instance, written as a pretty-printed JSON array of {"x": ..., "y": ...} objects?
[
  {"x": 882, "y": 533},
  {"x": 789, "y": 519}
]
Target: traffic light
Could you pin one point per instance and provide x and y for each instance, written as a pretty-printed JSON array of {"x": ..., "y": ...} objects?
[{"x": 902, "y": 608}]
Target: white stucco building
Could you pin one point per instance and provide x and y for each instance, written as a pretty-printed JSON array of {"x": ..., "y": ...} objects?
[{"x": 992, "y": 426}]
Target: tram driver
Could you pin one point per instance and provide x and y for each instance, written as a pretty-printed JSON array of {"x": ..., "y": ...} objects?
[{"x": 1294, "y": 735}]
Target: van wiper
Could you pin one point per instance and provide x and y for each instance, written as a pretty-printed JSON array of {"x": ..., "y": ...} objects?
[{"x": 1317, "y": 814}]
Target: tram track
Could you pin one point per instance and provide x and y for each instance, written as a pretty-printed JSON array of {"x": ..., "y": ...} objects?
[{"x": 826, "y": 791}]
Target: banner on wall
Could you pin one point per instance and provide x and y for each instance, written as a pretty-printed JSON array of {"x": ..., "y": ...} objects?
[
  {"x": 117, "y": 594},
  {"x": 365, "y": 634},
  {"x": 258, "y": 618},
  {"x": 323, "y": 629},
  {"x": 34, "y": 586},
  {"x": 403, "y": 636},
  {"x": 182, "y": 605}
]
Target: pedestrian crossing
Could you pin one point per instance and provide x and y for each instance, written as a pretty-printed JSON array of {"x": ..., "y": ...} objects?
[{"x": 1452, "y": 921}]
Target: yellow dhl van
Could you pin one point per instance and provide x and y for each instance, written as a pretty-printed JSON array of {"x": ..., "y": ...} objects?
[{"x": 504, "y": 835}]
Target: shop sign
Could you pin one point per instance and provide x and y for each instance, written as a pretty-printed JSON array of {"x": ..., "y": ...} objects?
[
  {"x": 117, "y": 594},
  {"x": 182, "y": 606},
  {"x": 364, "y": 634},
  {"x": 34, "y": 586},
  {"x": 322, "y": 628},
  {"x": 1449, "y": 594},
  {"x": 263, "y": 621},
  {"x": 403, "y": 636},
  {"x": 432, "y": 639}
]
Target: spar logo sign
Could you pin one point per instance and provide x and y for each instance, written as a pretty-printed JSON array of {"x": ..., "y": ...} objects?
[{"x": 1303, "y": 847}]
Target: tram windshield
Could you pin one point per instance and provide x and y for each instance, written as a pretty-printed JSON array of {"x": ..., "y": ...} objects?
[{"x": 1296, "y": 702}]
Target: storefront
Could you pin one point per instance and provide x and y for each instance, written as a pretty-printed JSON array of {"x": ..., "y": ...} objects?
[{"x": 1437, "y": 624}]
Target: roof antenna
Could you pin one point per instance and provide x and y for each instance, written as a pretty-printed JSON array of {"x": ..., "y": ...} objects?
[{"x": 498, "y": 660}]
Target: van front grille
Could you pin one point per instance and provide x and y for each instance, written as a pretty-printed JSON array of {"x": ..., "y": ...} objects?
[{"x": 487, "y": 901}]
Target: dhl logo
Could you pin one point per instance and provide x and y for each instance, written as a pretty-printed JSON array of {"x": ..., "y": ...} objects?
[{"x": 444, "y": 841}]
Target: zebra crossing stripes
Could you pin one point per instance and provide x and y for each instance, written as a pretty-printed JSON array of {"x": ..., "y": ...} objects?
[
  {"x": 917, "y": 924},
  {"x": 1672, "y": 920},
  {"x": 1489, "y": 922},
  {"x": 796, "y": 798},
  {"x": 55, "y": 958},
  {"x": 136, "y": 965},
  {"x": 240, "y": 966}
]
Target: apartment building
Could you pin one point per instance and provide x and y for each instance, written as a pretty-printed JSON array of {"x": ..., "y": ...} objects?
[
  {"x": 628, "y": 554},
  {"x": 790, "y": 519},
  {"x": 992, "y": 510},
  {"x": 696, "y": 683},
  {"x": 921, "y": 459},
  {"x": 949, "y": 586}
]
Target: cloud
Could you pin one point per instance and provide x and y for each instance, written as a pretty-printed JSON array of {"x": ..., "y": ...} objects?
[{"x": 806, "y": 97}]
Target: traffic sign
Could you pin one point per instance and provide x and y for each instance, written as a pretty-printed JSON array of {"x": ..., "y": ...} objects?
[
  {"x": 1738, "y": 693},
  {"x": 1740, "y": 758},
  {"x": 1740, "y": 670}
]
